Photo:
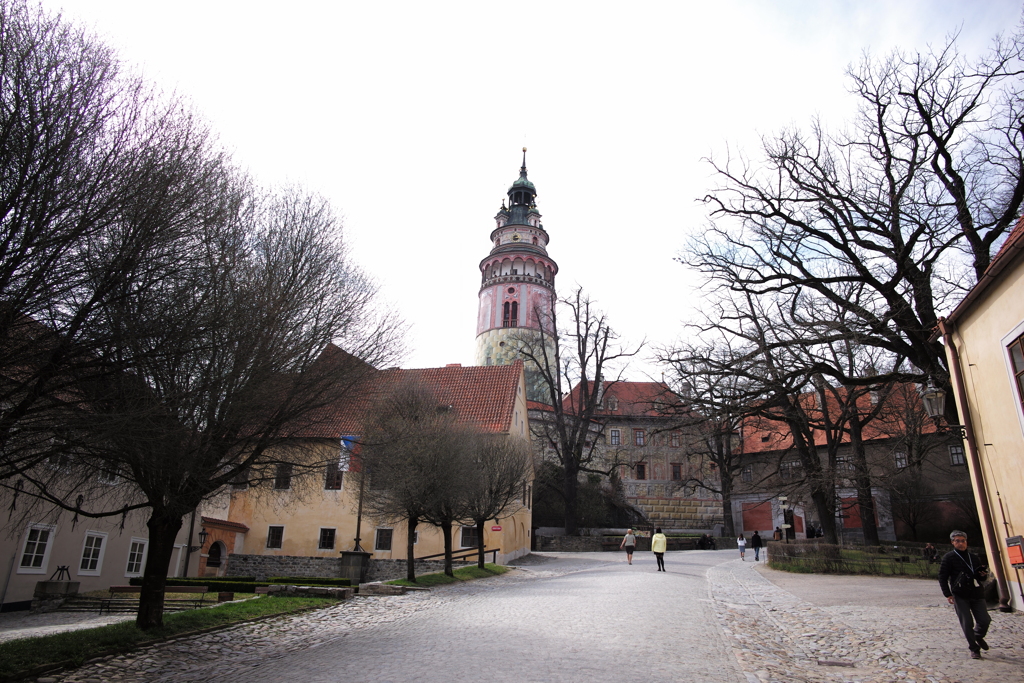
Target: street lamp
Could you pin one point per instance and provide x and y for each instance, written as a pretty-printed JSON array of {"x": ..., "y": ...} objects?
[
  {"x": 934, "y": 400},
  {"x": 203, "y": 535}
]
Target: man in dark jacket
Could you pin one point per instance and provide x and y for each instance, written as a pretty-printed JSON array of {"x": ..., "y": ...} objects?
[
  {"x": 960, "y": 577},
  {"x": 755, "y": 543}
]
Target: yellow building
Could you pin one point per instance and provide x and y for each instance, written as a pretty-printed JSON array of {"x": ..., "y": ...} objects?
[
  {"x": 295, "y": 529},
  {"x": 984, "y": 340}
]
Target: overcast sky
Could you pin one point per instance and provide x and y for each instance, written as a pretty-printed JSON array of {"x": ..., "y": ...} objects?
[{"x": 410, "y": 117}]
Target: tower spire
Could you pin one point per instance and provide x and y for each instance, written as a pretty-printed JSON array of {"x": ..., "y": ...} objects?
[{"x": 523, "y": 169}]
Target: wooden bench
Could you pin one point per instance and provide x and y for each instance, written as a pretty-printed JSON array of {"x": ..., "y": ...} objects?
[{"x": 107, "y": 603}]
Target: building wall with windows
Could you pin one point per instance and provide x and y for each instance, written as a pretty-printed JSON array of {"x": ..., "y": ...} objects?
[
  {"x": 651, "y": 455},
  {"x": 98, "y": 553},
  {"x": 316, "y": 514},
  {"x": 987, "y": 329}
]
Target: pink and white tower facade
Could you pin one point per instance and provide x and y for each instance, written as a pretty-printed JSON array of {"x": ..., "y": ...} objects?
[{"x": 517, "y": 284}]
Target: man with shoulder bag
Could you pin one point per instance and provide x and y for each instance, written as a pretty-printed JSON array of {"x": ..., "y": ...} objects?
[{"x": 961, "y": 577}]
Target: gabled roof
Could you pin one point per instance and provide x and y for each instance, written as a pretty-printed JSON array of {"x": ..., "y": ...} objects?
[
  {"x": 482, "y": 396},
  {"x": 1008, "y": 255}
]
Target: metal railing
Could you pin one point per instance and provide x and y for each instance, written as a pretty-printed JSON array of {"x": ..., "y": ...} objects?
[{"x": 461, "y": 554}]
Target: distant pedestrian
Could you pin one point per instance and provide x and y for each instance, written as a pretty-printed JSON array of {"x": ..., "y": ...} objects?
[
  {"x": 960, "y": 577},
  {"x": 930, "y": 553},
  {"x": 658, "y": 546},
  {"x": 778, "y": 534},
  {"x": 741, "y": 543},
  {"x": 755, "y": 543},
  {"x": 629, "y": 543}
]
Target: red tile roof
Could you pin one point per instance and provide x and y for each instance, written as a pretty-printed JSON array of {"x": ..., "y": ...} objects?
[
  {"x": 762, "y": 435},
  {"x": 631, "y": 399},
  {"x": 483, "y": 396}
]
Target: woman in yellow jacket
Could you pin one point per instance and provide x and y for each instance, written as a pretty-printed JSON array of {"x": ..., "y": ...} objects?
[{"x": 658, "y": 545}]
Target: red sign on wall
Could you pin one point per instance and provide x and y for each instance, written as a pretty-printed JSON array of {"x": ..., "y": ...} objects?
[{"x": 495, "y": 528}]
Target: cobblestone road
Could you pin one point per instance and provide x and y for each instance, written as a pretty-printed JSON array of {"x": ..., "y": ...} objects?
[{"x": 590, "y": 617}]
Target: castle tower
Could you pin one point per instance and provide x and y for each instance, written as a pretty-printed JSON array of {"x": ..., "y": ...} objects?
[{"x": 517, "y": 284}]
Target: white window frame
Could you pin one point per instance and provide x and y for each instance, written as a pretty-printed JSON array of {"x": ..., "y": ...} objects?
[
  {"x": 1017, "y": 331},
  {"x": 902, "y": 459},
  {"x": 99, "y": 560},
  {"x": 962, "y": 455},
  {"x": 44, "y": 567},
  {"x": 142, "y": 563},
  {"x": 614, "y": 437}
]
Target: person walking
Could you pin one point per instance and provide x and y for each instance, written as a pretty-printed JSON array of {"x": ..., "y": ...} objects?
[
  {"x": 629, "y": 543},
  {"x": 755, "y": 543},
  {"x": 658, "y": 546},
  {"x": 961, "y": 574},
  {"x": 741, "y": 543}
]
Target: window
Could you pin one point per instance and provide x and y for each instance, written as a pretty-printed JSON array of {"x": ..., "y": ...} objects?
[
  {"x": 283, "y": 476},
  {"x": 92, "y": 554},
  {"x": 470, "y": 539},
  {"x": 641, "y": 470},
  {"x": 35, "y": 554},
  {"x": 677, "y": 471},
  {"x": 383, "y": 540},
  {"x": 788, "y": 470},
  {"x": 241, "y": 480},
  {"x": 901, "y": 459},
  {"x": 1016, "y": 350},
  {"x": 326, "y": 539},
  {"x": 956, "y": 455},
  {"x": 332, "y": 482},
  {"x": 615, "y": 438},
  {"x": 747, "y": 474},
  {"x": 638, "y": 437},
  {"x": 59, "y": 461},
  {"x": 136, "y": 557},
  {"x": 275, "y": 536},
  {"x": 613, "y": 403},
  {"x": 844, "y": 464},
  {"x": 673, "y": 440},
  {"x": 510, "y": 313},
  {"x": 107, "y": 477}
]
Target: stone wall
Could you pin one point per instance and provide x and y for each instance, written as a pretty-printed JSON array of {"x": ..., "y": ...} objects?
[
  {"x": 389, "y": 570},
  {"x": 265, "y": 566},
  {"x": 678, "y": 513},
  {"x": 569, "y": 544}
]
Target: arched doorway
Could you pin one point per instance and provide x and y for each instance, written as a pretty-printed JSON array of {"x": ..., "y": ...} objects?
[{"x": 215, "y": 559}]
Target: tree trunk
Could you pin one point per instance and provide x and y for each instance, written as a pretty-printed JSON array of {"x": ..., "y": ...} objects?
[
  {"x": 163, "y": 529},
  {"x": 446, "y": 531},
  {"x": 571, "y": 488},
  {"x": 862, "y": 482},
  {"x": 728, "y": 523},
  {"x": 826, "y": 515},
  {"x": 480, "y": 523},
  {"x": 410, "y": 555}
]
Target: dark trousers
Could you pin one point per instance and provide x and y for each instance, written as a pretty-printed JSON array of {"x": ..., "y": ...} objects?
[
  {"x": 661, "y": 561},
  {"x": 757, "y": 553},
  {"x": 974, "y": 619}
]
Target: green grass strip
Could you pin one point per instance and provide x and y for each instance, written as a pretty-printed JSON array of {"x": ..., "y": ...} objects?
[
  {"x": 77, "y": 647},
  {"x": 463, "y": 574}
]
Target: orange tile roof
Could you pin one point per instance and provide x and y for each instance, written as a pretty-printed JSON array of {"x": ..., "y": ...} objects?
[
  {"x": 482, "y": 396},
  {"x": 761, "y": 434},
  {"x": 635, "y": 399}
]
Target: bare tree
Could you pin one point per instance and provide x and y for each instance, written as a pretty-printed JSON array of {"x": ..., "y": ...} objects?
[
  {"x": 410, "y": 456},
  {"x": 875, "y": 219},
  {"x": 576, "y": 368},
  {"x": 498, "y": 470}
]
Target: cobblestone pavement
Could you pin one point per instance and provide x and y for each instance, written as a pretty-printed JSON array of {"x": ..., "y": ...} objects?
[
  {"x": 15, "y": 625},
  {"x": 590, "y": 617},
  {"x": 859, "y": 632}
]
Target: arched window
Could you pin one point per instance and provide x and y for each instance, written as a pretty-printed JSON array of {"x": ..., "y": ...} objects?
[
  {"x": 515, "y": 314},
  {"x": 506, "y": 315}
]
